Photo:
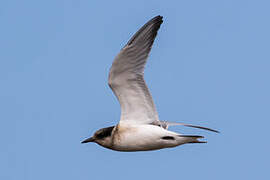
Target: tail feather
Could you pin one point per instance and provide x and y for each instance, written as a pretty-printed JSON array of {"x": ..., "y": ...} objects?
[
  {"x": 190, "y": 136},
  {"x": 193, "y": 138},
  {"x": 196, "y": 141}
]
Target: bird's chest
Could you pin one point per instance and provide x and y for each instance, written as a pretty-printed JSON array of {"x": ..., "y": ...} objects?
[
  {"x": 125, "y": 135},
  {"x": 134, "y": 138}
]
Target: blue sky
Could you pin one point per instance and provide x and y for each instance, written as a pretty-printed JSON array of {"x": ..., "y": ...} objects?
[{"x": 209, "y": 66}]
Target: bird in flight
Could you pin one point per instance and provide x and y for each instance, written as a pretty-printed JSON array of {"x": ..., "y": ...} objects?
[{"x": 139, "y": 128}]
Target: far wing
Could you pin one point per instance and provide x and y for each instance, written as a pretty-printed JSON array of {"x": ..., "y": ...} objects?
[
  {"x": 166, "y": 124},
  {"x": 126, "y": 76}
]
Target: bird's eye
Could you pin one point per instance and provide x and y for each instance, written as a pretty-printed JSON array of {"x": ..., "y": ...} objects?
[{"x": 100, "y": 135}]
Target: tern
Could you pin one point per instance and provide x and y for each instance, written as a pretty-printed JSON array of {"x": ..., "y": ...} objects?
[{"x": 139, "y": 128}]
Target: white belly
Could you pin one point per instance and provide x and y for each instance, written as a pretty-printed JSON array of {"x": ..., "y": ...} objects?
[{"x": 142, "y": 138}]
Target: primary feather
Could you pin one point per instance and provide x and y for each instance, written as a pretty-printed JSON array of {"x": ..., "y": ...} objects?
[{"x": 126, "y": 76}]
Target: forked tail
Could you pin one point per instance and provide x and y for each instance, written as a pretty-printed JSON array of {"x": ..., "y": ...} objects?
[{"x": 192, "y": 138}]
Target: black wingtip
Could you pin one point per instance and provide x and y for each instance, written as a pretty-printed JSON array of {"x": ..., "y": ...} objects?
[
  {"x": 158, "y": 17},
  {"x": 154, "y": 25}
]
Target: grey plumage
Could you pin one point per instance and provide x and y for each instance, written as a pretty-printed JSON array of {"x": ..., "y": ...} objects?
[
  {"x": 126, "y": 75},
  {"x": 139, "y": 128}
]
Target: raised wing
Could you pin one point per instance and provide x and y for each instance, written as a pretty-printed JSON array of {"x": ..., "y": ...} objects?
[{"x": 126, "y": 76}]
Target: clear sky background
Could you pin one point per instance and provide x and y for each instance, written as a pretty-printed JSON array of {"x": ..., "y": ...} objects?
[{"x": 210, "y": 66}]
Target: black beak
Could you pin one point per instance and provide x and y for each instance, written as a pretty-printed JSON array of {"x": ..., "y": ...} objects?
[{"x": 91, "y": 139}]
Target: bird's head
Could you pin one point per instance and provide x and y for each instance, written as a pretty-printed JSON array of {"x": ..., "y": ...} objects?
[{"x": 102, "y": 136}]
